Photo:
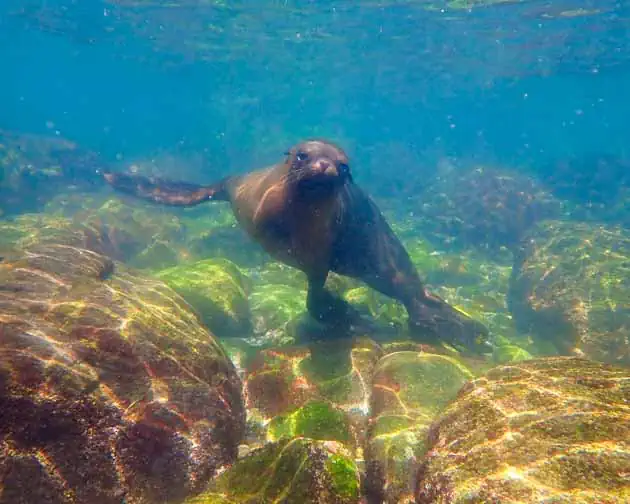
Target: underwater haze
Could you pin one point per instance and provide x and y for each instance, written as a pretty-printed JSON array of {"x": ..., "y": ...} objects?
[{"x": 444, "y": 319}]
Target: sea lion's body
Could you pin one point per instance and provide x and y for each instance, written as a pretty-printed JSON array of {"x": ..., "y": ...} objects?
[{"x": 309, "y": 214}]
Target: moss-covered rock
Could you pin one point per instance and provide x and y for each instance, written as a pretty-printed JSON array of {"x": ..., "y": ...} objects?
[
  {"x": 135, "y": 227},
  {"x": 217, "y": 289},
  {"x": 333, "y": 378},
  {"x": 547, "y": 430},
  {"x": 215, "y": 233},
  {"x": 110, "y": 388},
  {"x": 484, "y": 208},
  {"x": 275, "y": 310},
  {"x": 409, "y": 389},
  {"x": 25, "y": 230},
  {"x": 316, "y": 420},
  {"x": 298, "y": 471},
  {"x": 571, "y": 285}
]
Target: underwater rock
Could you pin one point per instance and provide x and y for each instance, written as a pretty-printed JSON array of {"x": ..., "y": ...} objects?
[
  {"x": 216, "y": 234},
  {"x": 134, "y": 230},
  {"x": 570, "y": 286},
  {"x": 298, "y": 471},
  {"x": 596, "y": 186},
  {"x": 325, "y": 381},
  {"x": 25, "y": 230},
  {"x": 318, "y": 420},
  {"x": 33, "y": 168},
  {"x": 110, "y": 389},
  {"x": 547, "y": 430},
  {"x": 217, "y": 289},
  {"x": 409, "y": 389},
  {"x": 123, "y": 238},
  {"x": 276, "y": 309},
  {"x": 484, "y": 208},
  {"x": 594, "y": 181}
]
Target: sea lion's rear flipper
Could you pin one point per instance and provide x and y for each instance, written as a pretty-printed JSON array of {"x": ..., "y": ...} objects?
[
  {"x": 434, "y": 320},
  {"x": 166, "y": 192}
]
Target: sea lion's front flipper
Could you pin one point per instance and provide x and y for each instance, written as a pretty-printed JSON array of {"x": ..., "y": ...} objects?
[
  {"x": 164, "y": 191},
  {"x": 327, "y": 308},
  {"x": 434, "y": 320}
]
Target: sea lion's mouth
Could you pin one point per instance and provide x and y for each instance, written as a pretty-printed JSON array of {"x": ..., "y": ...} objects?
[{"x": 318, "y": 183}]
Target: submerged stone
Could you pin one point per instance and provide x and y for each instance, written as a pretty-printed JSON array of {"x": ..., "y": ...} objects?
[
  {"x": 317, "y": 420},
  {"x": 275, "y": 309},
  {"x": 33, "y": 168},
  {"x": 217, "y": 289},
  {"x": 110, "y": 389},
  {"x": 409, "y": 389},
  {"x": 298, "y": 471},
  {"x": 321, "y": 391},
  {"x": 484, "y": 208},
  {"x": 571, "y": 285},
  {"x": 546, "y": 430}
]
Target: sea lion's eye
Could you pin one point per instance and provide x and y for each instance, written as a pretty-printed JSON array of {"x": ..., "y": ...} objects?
[
  {"x": 344, "y": 168},
  {"x": 301, "y": 156}
]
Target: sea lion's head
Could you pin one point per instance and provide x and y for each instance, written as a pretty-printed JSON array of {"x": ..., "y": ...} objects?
[{"x": 318, "y": 166}]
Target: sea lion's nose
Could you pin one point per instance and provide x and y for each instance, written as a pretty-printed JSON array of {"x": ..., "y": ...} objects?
[{"x": 326, "y": 167}]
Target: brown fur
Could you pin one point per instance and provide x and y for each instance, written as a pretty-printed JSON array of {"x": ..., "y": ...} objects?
[{"x": 308, "y": 213}]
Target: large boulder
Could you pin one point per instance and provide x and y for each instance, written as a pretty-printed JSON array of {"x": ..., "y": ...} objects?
[
  {"x": 409, "y": 389},
  {"x": 297, "y": 471},
  {"x": 320, "y": 391},
  {"x": 547, "y": 430},
  {"x": 110, "y": 389},
  {"x": 484, "y": 208},
  {"x": 218, "y": 290},
  {"x": 570, "y": 286},
  {"x": 34, "y": 167}
]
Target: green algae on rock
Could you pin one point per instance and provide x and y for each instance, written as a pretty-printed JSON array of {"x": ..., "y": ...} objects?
[
  {"x": 318, "y": 420},
  {"x": 409, "y": 389},
  {"x": 546, "y": 430},
  {"x": 275, "y": 309},
  {"x": 39, "y": 228},
  {"x": 297, "y": 471},
  {"x": 134, "y": 228},
  {"x": 320, "y": 390},
  {"x": 571, "y": 285},
  {"x": 217, "y": 289},
  {"x": 110, "y": 389},
  {"x": 215, "y": 233}
]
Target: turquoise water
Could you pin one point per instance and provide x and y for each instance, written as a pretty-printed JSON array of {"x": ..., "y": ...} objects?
[
  {"x": 150, "y": 354},
  {"x": 521, "y": 82}
]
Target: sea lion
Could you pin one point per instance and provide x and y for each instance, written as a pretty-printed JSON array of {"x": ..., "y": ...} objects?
[{"x": 308, "y": 213}]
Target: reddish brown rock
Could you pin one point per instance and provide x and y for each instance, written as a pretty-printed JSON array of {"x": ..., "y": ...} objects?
[
  {"x": 323, "y": 381},
  {"x": 110, "y": 389}
]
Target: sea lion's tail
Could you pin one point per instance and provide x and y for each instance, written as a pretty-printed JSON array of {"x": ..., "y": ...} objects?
[
  {"x": 435, "y": 319},
  {"x": 166, "y": 192}
]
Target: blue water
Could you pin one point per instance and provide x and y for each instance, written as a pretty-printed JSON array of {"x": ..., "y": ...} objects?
[
  {"x": 207, "y": 88},
  {"x": 515, "y": 82}
]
